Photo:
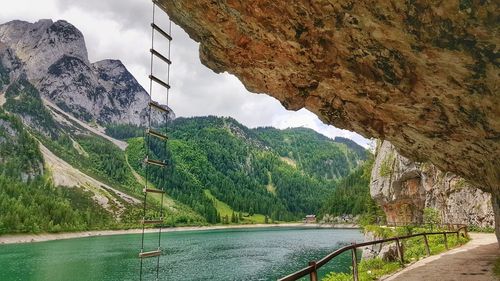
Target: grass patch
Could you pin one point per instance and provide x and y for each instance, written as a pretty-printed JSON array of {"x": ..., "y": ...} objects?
[
  {"x": 225, "y": 210},
  {"x": 371, "y": 269},
  {"x": 386, "y": 166},
  {"x": 413, "y": 248},
  {"x": 496, "y": 268}
]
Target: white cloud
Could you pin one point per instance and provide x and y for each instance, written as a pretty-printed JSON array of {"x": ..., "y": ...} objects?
[{"x": 119, "y": 29}]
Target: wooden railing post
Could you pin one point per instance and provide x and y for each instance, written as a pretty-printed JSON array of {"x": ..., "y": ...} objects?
[
  {"x": 427, "y": 246},
  {"x": 314, "y": 274},
  {"x": 400, "y": 253},
  {"x": 445, "y": 241},
  {"x": 354, "y": 263}
]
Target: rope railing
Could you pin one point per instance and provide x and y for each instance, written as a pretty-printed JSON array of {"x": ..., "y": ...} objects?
[{"x": 314, "y": 266}]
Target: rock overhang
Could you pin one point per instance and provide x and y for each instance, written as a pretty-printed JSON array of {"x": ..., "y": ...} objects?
[{"x": 422, "y": 75}]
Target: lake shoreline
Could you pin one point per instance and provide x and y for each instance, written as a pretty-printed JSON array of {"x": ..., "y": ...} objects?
[{"x": 42, "y": 237}]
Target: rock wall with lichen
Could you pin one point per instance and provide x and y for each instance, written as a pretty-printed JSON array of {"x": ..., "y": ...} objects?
[
  {"x": 421, "y": 74},
  {"x": 404, "y": 188}
]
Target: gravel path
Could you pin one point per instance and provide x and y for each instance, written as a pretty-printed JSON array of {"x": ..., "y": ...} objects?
[{"x": 471, "y": 262}]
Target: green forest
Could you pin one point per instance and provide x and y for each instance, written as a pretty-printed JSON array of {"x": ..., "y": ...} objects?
[
  {"x": 218, "y": 171},
  {"x": 28, "y": 199}
]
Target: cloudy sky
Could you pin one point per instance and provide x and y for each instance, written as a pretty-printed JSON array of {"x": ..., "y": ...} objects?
[{"x": 119, "y": 29}]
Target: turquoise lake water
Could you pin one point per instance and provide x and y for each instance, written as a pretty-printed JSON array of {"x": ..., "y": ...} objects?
[{"x": 235, "y": 254}]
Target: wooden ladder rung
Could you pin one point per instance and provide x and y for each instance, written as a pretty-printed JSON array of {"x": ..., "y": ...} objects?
[
  {"x": 150, "y": 190},
  {"x": 155, "y": 221},
  {"x": 161, "y": 31},
  {"x": 159, "y": 81},
  {"x": 160, "y": 56},
  {"x": 150, "y": 254},
  {"x": 157, "y": 106},
  {"x": 155, "y": 162},
  {"x": 157, "y": 134}
]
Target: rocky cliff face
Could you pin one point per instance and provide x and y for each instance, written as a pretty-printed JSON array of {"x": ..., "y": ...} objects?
[
  {"x": 53, "y": 57},
  {"x": 404, "y": 188},
  {"x": 421, "y": 74}
]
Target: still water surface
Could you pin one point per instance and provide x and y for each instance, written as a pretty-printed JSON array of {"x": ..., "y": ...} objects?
[{"x": 235, "y": 254}]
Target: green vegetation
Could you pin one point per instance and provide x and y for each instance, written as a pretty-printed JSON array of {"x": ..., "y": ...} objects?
[
  {"x": 38, "y": 206},
  {"x": 238, "y": 168},
  {"x": 23, "y": 99},
  {"x": 313, "y": 152},
  {"x": 225, "y": 212},
  {"x": 91, "y": 154},
  {"x": 121, "y": 131},
  {"x": 4, "y": 76},
  {"x": 28, "y": 200},
  {"x": 371, "y": 269},
  {"x": 386, "y": 166},
  {"x": 496, "y": 268},
  {"x": 18, "y": 150},
  {"x": 487, "y": 229},
  {"x": 352, "y": 196},
  {"x": 413, "y": 248},
  {"x": 431, "y": 216},
  {"x": 219, "y": 171}
]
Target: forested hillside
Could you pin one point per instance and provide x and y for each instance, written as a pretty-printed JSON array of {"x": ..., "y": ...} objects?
[
  {"x": 247, "y": 169},
  {"x": 352, "y": 196},
  {"x": 108, "y": 201},
  {"x": 254, "y": 173},
  {"x": 219, "y": 170},
  {"x": 28, "y": 199},
  {"x": 313, "y": 152}
]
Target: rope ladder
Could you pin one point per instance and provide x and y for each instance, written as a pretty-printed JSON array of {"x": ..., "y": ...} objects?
[{"x": 155, "y": 132}]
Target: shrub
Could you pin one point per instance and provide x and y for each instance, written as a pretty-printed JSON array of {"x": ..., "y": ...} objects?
[{"x": 431, "y": 216}]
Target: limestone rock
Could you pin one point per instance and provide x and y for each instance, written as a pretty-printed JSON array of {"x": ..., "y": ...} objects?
[
  {"x": 421, "y": 74},
  {"x": 41, "y": 44},
  {"x": 389, "y": 252},
  {"x": 396, "y": 186},
  {"x": 385, "y": 251},
  {"x": 53, "y": 56},
  {"x": 404, "y": 188}
]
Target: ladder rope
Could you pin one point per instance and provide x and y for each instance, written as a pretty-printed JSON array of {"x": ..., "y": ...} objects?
[{"x": 148, "y": 134}]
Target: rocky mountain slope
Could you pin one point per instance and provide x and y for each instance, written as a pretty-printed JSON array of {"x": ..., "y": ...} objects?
[
  {"x": 404, "y": 188},
  {"x": 53, "y": 57}
]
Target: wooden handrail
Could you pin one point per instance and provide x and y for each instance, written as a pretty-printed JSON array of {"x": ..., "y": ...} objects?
[{"x": 311, "y": 270}]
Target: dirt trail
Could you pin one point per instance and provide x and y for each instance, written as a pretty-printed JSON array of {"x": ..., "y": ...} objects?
[{"x": 471, "y": 262}]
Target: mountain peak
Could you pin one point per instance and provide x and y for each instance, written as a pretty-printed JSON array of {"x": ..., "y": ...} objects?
[
  {"x": 53, "y": 57},
  {"x": 39, "y": 45}
]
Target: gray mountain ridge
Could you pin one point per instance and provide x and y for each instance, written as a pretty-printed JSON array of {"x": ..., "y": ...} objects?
[{"x": 53, "y": 57}]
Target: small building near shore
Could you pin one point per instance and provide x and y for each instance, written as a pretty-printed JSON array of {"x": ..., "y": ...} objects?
[{"x": 310, "y": 219}]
